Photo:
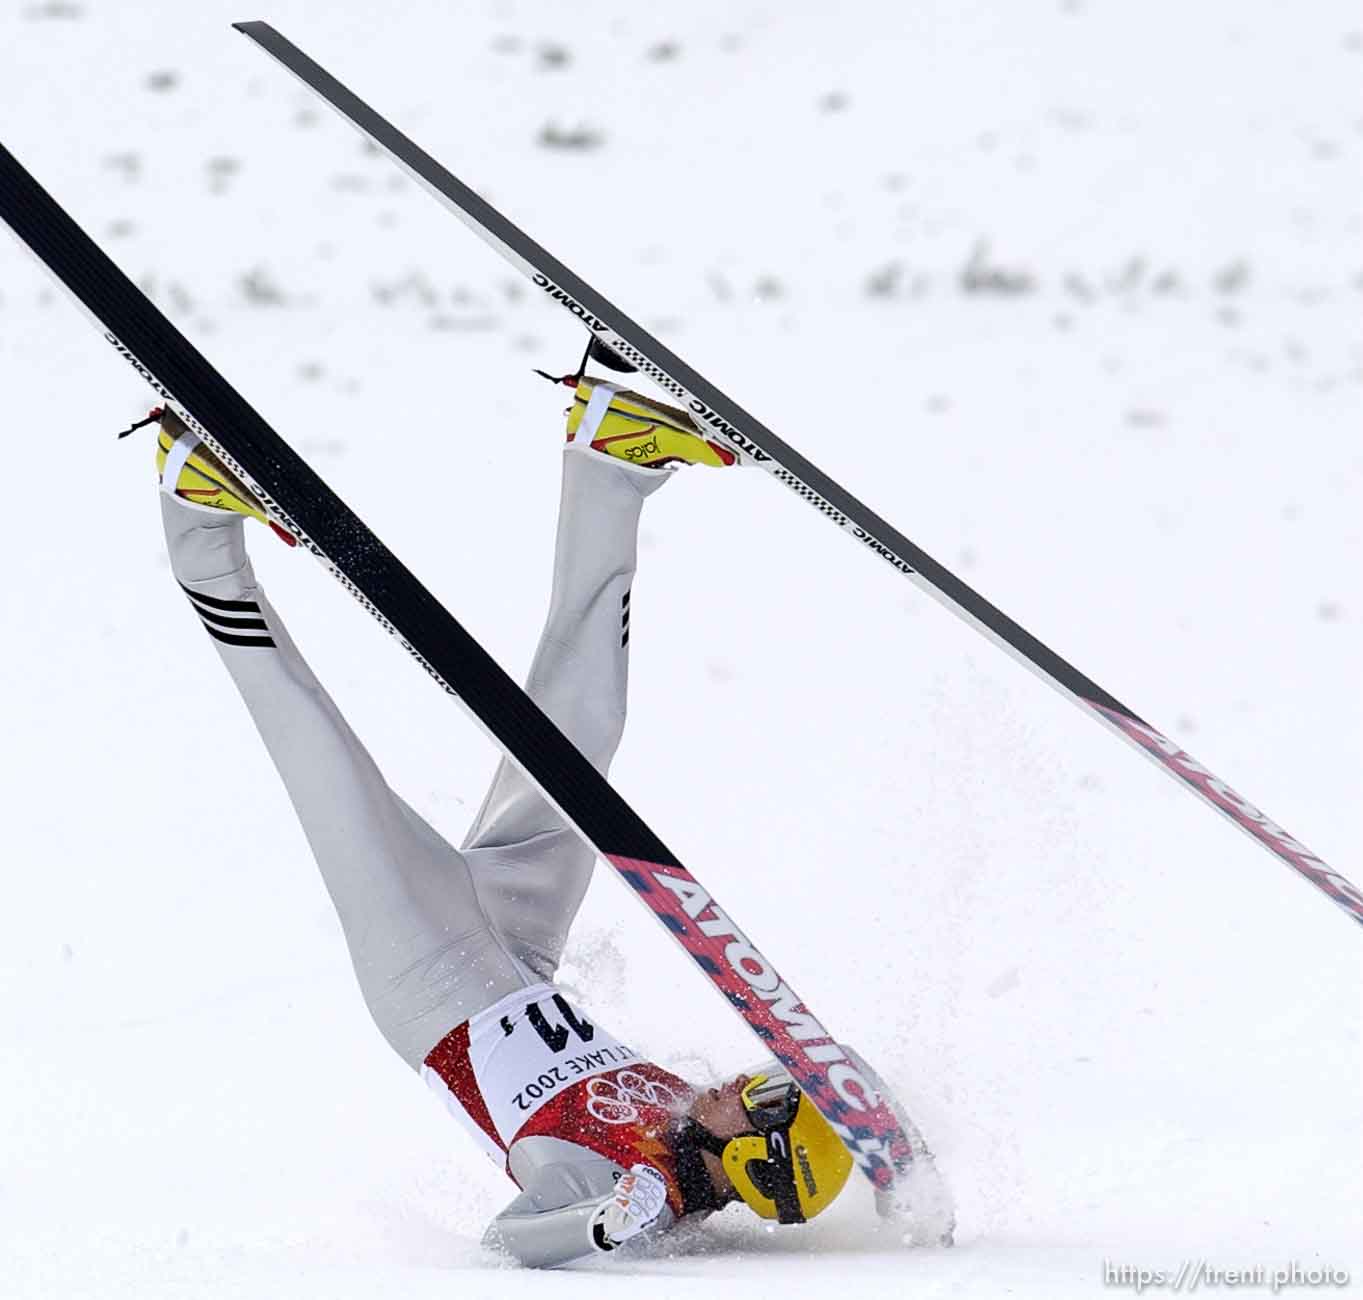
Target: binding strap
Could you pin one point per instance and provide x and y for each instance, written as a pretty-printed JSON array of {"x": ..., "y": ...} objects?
[
  {"x": 180, "y": 451},
  {"x": 597, "y": 406}
]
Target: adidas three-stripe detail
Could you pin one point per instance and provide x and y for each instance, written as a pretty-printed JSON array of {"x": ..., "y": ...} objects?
[{"x": 235, "y": 622}]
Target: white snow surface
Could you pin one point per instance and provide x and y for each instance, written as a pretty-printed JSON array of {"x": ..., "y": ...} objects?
[{"x": 1131, "y": 1035}]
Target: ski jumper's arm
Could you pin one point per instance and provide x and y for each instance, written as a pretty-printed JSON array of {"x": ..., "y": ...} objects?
[{"x": 565, "y": 1187}]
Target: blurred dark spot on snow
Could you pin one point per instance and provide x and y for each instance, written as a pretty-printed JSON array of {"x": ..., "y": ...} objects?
[
  {"x": 163, "y": 79},
  {"x": 148, "y": 286},
  {"x": 1090, "y": 781},
  {"x": 718, "y": 672},
  {"x": 835, "y": 101},
  {"x": 1167, "y": 283},
  {"x": 663, "y": 51},
  {"x": 128, "y": 165},
  {"x": 182, "y": 1238},
  {"x": 767, "y": 288},
  {"x": 370, "y": 149},
  {"x": 554, "y": 56},
  {"x": 893, "y": 281},
  {"x": 415, "y": 286},
  {"x": 67, "y": 953},
  {"x": 967, "y": 557},
  {"x": 937, "y": 404},
  {"x": 1129, "y": 278},
  {"x": 731, "y": 43},
  {"x": 719, "y": 286},
  {"x": 306, "y": 117},
  {"x": 1292, "y": 512},
  {"x": 895, "y": 182},
  {"x": 1295, "y": 351},
  {"x": 1353, "y": 42},
  {"x": 221, "y": 170},
  {"x": 1329, "y": 611},
  {"x": 581, "y": 137},
  {"x": 1228, "y": 316},
  {"x": 1072, "y": 8},
  {"x": 1184, "y": 723},
  {"x": 987, "y": 141},
  {"x": 1144, "y": 417},
  {"x": 311, "y": 371},
  {"x": 351, "y": 183},
  {"x": 54, "y": 9},
  {"x": 513, "y": 290},
  {"x": 386, "y": 219},
  {"x": 259, "y": 288},
  {"x": 981, "y": 275},
  {"x": 1070, "y": 119},
  {"x": 471, "y": 324},
  {"x": 1232, "y": 277},
  {"x": 507, "y": 44},
  {"x": 180, "y": 303},
  {"x": 1077, "y": 287},
  {"x": 120, "y": 229},
  {"x": 1062, "y": 321},
  {"x": 885, "y": 281}
]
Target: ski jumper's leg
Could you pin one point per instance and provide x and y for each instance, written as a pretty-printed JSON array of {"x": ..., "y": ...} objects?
[
  {"x": 423, "y": 950},
  {"x": 530, "y": 869}
]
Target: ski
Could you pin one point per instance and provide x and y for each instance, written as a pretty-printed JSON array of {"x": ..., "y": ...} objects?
[
  {"x": 301, "y": 504},
  {"x": 754, "y": 443}
]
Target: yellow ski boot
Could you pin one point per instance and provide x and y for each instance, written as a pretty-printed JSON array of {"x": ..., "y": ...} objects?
[
  {"x": 638, "y": 430},
  {"x": 190, "y": 471}
]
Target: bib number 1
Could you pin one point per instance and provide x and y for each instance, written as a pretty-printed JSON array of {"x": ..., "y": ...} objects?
[{"x": 555, "y": 1035}]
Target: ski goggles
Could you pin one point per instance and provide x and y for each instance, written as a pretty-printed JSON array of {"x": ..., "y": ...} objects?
[{"x": 771, "y": 1101}]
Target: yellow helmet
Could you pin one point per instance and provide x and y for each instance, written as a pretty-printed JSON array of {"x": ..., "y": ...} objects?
[{"x": 793, "y": 1166}]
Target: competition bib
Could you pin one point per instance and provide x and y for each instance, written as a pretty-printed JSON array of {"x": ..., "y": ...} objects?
[{"x": 532, "y": 1046}]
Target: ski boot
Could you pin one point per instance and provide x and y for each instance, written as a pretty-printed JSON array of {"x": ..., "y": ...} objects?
[
  {"x": 637, "y": 430},
  {"x": 188, "y": 470}
]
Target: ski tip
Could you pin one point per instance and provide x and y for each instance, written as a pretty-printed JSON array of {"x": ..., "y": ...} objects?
[{"x": 250, "y": 25}]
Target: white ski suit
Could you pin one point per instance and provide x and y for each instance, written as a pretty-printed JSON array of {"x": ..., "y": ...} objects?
[{"x": 455, "y": 950}]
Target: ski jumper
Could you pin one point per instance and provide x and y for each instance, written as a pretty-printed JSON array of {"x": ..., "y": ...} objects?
[{"x": 455, "y": 950}]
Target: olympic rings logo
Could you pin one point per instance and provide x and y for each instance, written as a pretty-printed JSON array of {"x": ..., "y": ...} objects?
[{"x": 617, "y": 1101}]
